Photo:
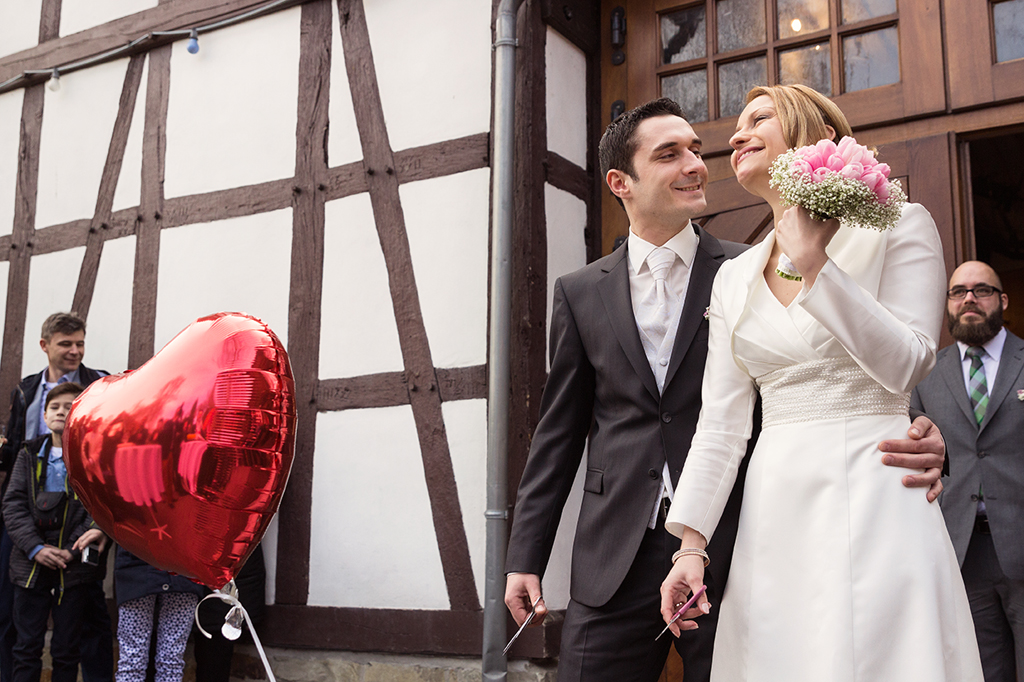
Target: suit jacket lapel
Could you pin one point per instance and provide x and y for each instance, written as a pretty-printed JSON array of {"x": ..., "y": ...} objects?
[
  {"x": 1010, "y": 364},
  {"x": 698, "y": 293},
  {"x": 614, "y": 290},
  {"x": 953, "y": 375}
]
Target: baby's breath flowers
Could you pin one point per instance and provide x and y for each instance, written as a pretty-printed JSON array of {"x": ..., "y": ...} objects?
[{"x": 843, "y": 181}]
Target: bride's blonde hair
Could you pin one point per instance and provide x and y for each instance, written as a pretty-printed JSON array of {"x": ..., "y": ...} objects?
[{"x": 804, "y": 112}]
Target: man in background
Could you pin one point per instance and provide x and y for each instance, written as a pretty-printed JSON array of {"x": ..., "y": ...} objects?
[
  {"x": 63, "y": 342},
  {"x": 976, "y": 396}
]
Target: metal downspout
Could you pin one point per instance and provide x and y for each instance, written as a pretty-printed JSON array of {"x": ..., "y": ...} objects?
[{"x": 494, "y": 665}]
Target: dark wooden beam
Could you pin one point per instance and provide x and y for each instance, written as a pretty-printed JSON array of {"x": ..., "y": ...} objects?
[
  {"x": 307, "y": 268},
  {"x": 19, "y": 252},
  {"x": 150, "y": 216},
  {"x": 528, "y": 370},
  {"x": 567, "y": 176},
  {"x": 457, "y": 633},
  {"x": 180, "y": 14},
  {"x": 379, "y": 163},
  {"x": 108, "y": 183},
  {"x": 49, "y": 20},
  {"x": 391, "y": 388}
]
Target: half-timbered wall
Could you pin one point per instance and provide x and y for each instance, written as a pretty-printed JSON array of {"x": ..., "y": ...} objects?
[{"x": 324, "y": 167}]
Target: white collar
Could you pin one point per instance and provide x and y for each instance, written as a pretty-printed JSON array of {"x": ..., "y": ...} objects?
[
  {"x": 684, "y": 243},
  {"x": 993, "y": 347}
]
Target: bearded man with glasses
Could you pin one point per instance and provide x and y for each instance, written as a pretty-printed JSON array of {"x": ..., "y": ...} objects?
[{"x": 976, "y": 396}]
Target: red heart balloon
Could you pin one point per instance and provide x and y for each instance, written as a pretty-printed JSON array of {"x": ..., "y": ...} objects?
[{"x": 184, "y": 460}]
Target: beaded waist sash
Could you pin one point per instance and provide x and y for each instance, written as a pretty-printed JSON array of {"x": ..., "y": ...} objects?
[{"x": 833, "y": 388}]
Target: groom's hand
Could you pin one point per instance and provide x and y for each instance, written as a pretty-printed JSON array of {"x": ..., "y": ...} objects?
[
  {"x": 922, "y": 449},
  {"x": 521, "y": 591}
]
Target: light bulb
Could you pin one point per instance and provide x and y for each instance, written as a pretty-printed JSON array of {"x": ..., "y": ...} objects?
[
  {"x": 54, "y": 83},
  {"x": 193, "y": 42},
  {"x": 796, "y": 25}
]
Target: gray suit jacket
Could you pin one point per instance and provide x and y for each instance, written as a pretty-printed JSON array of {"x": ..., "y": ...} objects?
[
  {"x": 991, "y": 455},
  {"x": 601, "y": 388}
]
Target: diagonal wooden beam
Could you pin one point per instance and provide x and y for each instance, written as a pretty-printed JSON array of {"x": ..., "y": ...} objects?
[
  {"x": 100, "y": 222},
  {"x": 379, "y": 164},
  {"x": 20, "y": 252},
  {"x": 150, "y": 216},
  {"x": 307, "y": 265},
  {"x": 167, "y": 16}
]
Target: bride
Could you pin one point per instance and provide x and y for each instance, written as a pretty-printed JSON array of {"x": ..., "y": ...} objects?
[{"x": 839, "y": 572}]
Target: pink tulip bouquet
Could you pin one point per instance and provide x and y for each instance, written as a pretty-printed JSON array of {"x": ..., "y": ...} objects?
[{"x": 843, "y": 181}]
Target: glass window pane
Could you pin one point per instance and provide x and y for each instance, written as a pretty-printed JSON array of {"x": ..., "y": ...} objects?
[
  {"x": 683, "y": 35},
  {"x": 740, "y": 24},
  {"x": 690, "y": 91},
  {"x": 735, "y": 80},
  {"x": 859, "y": 10},
  {"x": 1009, "y": 23},
  {"x": 809, "y": 65},
  {"x": 800, "y": 17},
  {"x": 871, "y": 59}
]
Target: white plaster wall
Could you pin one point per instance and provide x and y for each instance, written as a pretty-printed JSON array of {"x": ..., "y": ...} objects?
[
  {"x": 19, "y": 25},
  {"x": 466, "y": 425},
  {"x": 373, "y": 543},
  {"x": 10, "y": 134},
  {"x": 358, "y": 331},
  {"x": 232, "y": 110},
  {"x": 343, "y": 145},
  {"x": 110, "y": 313},
  {"x": 78, "y": 121},
  {"x": 567, "y": 251},
  {"x": 78, "y": 15},
  {"x": 4, "y": 269},
  {"x": 236, "y": 265},
  {"x": 128, "y": 192},
  {"x": 447, "y": 222},
  {"x": 433, "y": 62},
  {"x": 566, "y": 97},
  {"x": 51, "y": 288}
]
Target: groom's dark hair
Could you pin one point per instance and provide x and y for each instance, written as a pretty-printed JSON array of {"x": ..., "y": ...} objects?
[{"x": 618, "y": 144}]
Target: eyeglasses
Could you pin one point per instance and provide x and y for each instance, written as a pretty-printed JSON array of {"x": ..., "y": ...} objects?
[{"x": 980, "y": 291}]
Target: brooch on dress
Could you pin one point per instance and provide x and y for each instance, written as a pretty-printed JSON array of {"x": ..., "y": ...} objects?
[{"x": 707, "y": 314}]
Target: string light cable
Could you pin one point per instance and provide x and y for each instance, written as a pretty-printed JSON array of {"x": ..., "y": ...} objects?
[{"x": 192, "y": 34}]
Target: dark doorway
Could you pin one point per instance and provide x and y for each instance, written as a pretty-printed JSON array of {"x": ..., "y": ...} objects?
[{"x": 997, "y": 185}]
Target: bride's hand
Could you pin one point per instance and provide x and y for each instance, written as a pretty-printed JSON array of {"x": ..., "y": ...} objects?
[
  {"x": 686, "y": 576},
  {"x": 803, "y": 239}
]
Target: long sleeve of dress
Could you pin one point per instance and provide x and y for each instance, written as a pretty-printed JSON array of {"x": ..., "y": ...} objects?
[
  {"x": 723, "y": 429},
  {"x": 893, "y": 337}
]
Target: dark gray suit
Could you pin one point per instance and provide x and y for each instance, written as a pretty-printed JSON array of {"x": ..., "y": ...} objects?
[
  {"x": 989, "y": 456},
  {"x": 601, "y": 387}
]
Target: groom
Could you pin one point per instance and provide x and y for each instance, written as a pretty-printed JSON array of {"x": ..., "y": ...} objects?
[{"x": 628, "y": 345}]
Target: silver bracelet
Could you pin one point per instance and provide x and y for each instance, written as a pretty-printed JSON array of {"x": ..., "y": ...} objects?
[{"x": 691, "y": 551}]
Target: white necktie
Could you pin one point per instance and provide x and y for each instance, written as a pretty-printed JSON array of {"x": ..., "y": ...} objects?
[{"x": 659, "y": 302}]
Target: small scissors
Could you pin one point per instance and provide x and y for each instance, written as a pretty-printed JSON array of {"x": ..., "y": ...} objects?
[
  {"x": 522, "y": 627},
  {"x": 679, "y": 613}
]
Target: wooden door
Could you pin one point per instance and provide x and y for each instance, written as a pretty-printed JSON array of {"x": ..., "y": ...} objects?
[{"x": 706, "y": 54}]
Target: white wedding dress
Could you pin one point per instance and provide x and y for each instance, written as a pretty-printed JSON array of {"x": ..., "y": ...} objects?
[{"x": 840, "y": 573}]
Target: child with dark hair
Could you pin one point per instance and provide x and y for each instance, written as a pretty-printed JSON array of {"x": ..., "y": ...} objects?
[{"x": 49, "y": 527}]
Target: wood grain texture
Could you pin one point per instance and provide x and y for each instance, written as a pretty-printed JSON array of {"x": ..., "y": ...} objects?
[
  {"x": 150, "y": 216},
  {"x": 567, "y": 176},
  {"x": 304, "y": 298},
  {"x": 19, "y": 252},
  {"x": 388, "y": 389},
  {"x": 379, "y": 164},
  {"x": 529, "y": 260},
  {"x": 400, "y": 631},
  {"x": 108, "y": 184},
  {"x": 49, "y": 20}
]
